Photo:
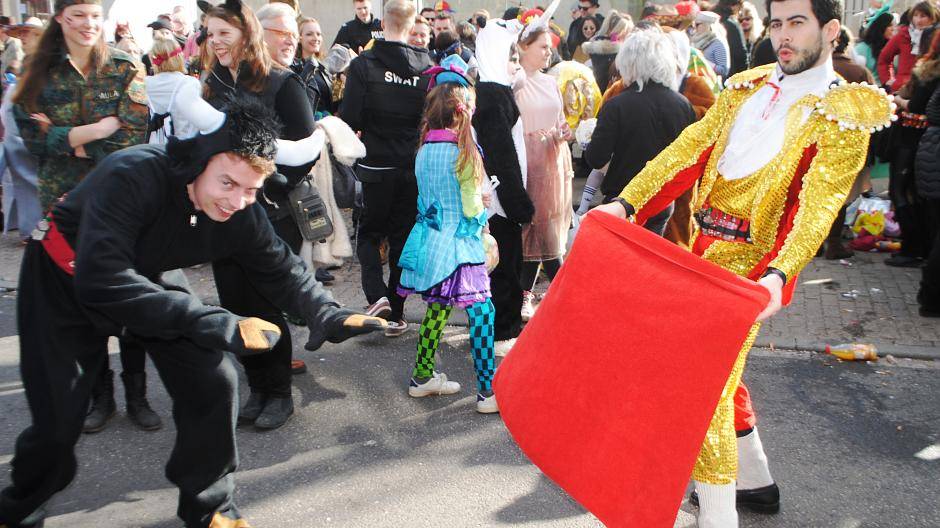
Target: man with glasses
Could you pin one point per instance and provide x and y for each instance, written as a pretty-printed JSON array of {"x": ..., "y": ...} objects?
[
  {"x": 582, "y": 11},
  {"x": 357, "y": 33},
  {"x": 280, "y": 32}
]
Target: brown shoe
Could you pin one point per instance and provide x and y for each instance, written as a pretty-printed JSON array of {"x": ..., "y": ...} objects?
[{"x": 298, "y": 366}]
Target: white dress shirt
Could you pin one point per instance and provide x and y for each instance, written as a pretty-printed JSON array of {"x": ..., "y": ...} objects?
[{"x": 760, "y": 127}]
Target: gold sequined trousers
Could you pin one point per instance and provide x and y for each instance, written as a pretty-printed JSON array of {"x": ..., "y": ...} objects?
[{"x": 717, "y": 462}]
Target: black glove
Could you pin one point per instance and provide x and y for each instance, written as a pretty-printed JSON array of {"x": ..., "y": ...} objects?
[
  {"x": 342, "y": 325},
  {"x": 257, "y": 335}
]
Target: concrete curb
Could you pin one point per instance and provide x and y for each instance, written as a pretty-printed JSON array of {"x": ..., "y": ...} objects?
[
  {"x": 920, "y": 352},
  {"x": 884, "y": 349}
]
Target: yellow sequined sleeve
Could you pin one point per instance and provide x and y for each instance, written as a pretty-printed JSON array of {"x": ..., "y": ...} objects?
[
  {"x": 681, "y": 154},
  {"x": 839, "y": 157}
]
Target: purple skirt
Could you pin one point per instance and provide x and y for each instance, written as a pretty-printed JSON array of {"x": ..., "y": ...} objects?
[{"x": 466, "y": 286}]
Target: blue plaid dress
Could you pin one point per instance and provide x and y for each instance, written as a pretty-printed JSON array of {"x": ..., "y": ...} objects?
[{"x": 442, "y": 239}]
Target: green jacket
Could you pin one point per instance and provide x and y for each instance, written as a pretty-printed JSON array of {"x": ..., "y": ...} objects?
[{"x": 69, "y": 100}]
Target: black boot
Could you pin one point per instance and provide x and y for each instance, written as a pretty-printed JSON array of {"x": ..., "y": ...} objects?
[
  {"x": 324, "y": 276},
  {"x": 102, "y": 404},
  {"x": 138, "y": 408},
  {"x": 276, "y": 412},
  {"x": 835, "y": 250},
  {"x": 252, "y": 408}
]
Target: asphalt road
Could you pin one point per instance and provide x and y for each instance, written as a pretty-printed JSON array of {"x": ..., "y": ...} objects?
[{"x": 841, "y": 438}]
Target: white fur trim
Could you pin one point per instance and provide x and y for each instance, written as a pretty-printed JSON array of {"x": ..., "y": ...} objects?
[{"x": 347, "y": 148}]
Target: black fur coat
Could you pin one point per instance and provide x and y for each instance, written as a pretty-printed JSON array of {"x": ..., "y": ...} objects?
[{"x": 495, "y": 115}]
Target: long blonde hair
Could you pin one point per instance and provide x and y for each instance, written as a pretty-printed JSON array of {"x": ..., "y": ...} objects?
[{"x": 450, "y": 106}]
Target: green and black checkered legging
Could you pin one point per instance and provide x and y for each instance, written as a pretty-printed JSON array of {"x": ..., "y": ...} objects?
[{"x": 481, "y": 316}]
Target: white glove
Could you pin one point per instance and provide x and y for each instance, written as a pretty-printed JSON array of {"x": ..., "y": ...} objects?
[
  {"x": 585, "y": 131},
  {"x": 192, "y": 108},
  {"x": 295, "y": 153}
]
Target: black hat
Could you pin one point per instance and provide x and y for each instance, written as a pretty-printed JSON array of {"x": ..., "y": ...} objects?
[
  {"x": 160, "y": 24},
  {"x": 250, "y": 129},
  {"x": 511, "y": 13}
]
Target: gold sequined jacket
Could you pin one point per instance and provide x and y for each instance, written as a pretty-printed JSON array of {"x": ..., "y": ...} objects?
[{"x": 792, "y": 201}]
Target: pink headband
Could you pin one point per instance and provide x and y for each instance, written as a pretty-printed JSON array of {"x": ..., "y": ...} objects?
[{"x": 160, "y": 59}]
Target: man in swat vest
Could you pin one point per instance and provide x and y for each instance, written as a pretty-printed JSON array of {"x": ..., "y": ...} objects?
[{"x": 384, "y": 99}]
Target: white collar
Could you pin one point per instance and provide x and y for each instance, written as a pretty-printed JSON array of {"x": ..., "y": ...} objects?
[{"x": 815, "y": 80}]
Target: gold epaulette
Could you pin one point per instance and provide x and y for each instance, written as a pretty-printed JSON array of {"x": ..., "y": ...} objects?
[
  {"x": 747, "y": 79},
  {"x": 858, "y": 106}
]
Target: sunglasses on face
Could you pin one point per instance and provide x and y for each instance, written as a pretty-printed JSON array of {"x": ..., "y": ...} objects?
[
  {"x": 744, "y": 19},
  {"x": 284, "y": 35}
]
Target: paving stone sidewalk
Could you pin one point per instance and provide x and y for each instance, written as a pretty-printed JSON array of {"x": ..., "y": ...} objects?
[{"x": 861, "y": 300}]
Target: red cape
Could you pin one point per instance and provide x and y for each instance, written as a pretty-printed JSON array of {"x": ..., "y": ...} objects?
[{"x": 612, "y": 385}]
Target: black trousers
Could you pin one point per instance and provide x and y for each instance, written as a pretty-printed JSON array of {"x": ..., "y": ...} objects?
[
  {"x": 133, "y": 359},
  {"x": 656, "y": 223},
  {"x": 929, "y": 294},
  {"x": 61, "y": 355},
  {"x": 389, "y": 208},
  {"x": 530, "y": 271},
  {"x": 506, "y": 278},
  {"x": 909, "y": 208},
  {"x": 268, "y": 373}
]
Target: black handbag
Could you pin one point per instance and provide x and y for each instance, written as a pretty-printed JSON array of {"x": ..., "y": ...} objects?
[
  {"x": 309, "y": 211},
  {"x": 344, "y": 184}
]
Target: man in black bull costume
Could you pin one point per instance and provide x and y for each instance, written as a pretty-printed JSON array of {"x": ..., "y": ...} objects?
[{"x": 145, "y": 210}]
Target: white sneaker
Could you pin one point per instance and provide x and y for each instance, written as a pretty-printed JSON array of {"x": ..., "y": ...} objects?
[
  {"x": 396, "y": 328},
  {"x": 487, "y": 404},
  {"x": 380, "y": 308},
  {"x": 501, "y": 348},
  {"x": 528, "y": 309},
  {"x": 437, "y": 385}
]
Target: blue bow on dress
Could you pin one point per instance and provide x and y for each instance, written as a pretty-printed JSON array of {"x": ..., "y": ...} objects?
[{"x": 414, "y": 255}]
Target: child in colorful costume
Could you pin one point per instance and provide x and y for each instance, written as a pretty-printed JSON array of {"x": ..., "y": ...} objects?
[{"x": 444, "y": 257}]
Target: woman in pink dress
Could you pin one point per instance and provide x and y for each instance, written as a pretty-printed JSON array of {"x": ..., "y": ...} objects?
[{"x": 548, "y": 178}]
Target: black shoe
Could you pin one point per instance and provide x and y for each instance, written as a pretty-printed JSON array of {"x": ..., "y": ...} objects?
[
  {"x": 138, "y": 408},
  {"x": 252, "y": 408},
  {"x": 276, "y": 413},
  {"x": 102, "y": 407},
  {"x": 902, "y": 261},
  {"x": 759, "y": 500},
  {"x": 324, "y": 276},
  {"x": 928, "y": 312},
  {"x": 37, "y": 524},
  {"x": 836, "y": 251}
]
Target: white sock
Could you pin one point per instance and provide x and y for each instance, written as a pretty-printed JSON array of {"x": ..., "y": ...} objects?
[
  {"x": 753, "y": 472},
  {"x": 716, "y": 505},
  {"x": 586, "y": 197}
]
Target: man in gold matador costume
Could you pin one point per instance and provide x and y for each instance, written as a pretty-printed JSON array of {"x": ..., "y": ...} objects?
[{"x": 771, "y": 162}]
